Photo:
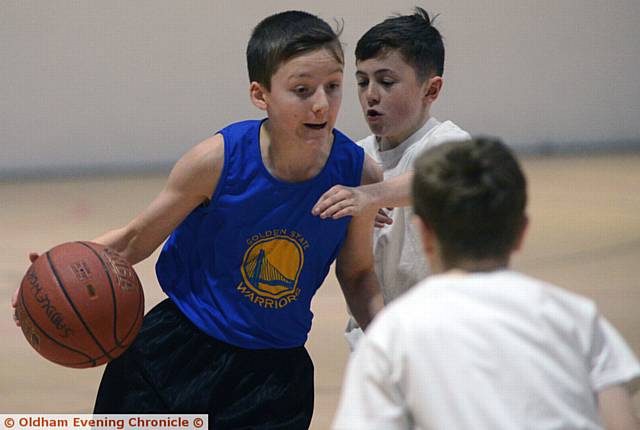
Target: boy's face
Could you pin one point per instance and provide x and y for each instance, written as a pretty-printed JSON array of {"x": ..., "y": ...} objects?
[
  {"x": 305, "y": 96},
  {"x": 393, "y": 101}
]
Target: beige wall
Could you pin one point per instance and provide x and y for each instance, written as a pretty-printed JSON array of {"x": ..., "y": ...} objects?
[{"x": 122, "y": 83}]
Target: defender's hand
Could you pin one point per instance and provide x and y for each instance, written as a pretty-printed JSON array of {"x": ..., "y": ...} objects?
[
  {"x": 382, "y": 218},
  {"x": 341, "y": 201}
]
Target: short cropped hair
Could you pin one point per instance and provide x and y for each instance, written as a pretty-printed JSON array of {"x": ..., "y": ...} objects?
[
  {"x": 473, "y": 195},
  {"x": 285, "y": 35},
  {"x": 414, "y": 36}
]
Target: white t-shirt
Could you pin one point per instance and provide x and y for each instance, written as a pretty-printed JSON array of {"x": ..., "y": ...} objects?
[
  {"x": 399, "y": 261},
  {"x": 493, "y": 351}
]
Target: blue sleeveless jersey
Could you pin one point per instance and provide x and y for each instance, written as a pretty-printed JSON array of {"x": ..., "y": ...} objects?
[{"x": 245, "y": 267}]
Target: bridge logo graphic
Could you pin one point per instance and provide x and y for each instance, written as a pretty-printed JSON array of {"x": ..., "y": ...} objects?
[{"x": 270, "y": 269}]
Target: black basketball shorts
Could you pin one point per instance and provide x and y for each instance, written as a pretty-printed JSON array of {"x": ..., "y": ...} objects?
[{"x": 173, "y": 367}]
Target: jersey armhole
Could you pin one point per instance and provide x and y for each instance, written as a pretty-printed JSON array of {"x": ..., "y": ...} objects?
[{"x": 223, "y": 173}]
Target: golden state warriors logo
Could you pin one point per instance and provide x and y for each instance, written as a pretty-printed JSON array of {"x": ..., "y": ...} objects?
[{"x": 271, "y": 267}]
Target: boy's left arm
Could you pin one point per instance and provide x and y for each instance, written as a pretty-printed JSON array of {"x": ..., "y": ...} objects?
[
  {"x": 614, "y": 375},
  {"x": 616, "y": 409},
  {"x": 354, "y": 265}
]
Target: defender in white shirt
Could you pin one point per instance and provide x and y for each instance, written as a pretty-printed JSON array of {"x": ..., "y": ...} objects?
[
  {"x": 400, "y": 63},
  {"x": 476, "y": 345}
]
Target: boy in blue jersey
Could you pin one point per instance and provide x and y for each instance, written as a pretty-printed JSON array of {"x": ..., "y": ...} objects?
[{"x": 245, "y": 255}]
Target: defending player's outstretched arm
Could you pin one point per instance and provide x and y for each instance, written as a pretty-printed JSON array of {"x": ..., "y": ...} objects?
[
  {"x": 192, "y": 182},
  {"x": 340, "y": 201}
]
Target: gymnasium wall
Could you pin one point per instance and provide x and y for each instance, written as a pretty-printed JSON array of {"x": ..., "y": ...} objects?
[{"x": 121, "y": 85}]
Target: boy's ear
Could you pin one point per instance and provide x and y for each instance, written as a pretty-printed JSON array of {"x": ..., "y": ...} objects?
[
  {"x": 432, "y": 88},
  {"x": 426, "y": 235},
  {"x": 523, "y": 233},
  {"x": 430, "y": 245},
  {"x": 258, "y": 95}
]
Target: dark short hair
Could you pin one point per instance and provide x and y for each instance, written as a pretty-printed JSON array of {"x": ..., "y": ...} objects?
[
  {"x": 414, "y": 36},
  {"x": 284, "y": 35},
  {"x": 473, "y": 195}
]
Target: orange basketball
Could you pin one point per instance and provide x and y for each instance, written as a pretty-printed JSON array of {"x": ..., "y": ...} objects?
[{"x": 80, "y": 304}]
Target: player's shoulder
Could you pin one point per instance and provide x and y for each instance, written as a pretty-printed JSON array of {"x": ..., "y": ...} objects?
[
  {"x": 210, "y": 150},
  {"x": 530, "y": 290},
  {"x": 195, "y": 175},
  {"x": 548, "y": 290},
  {"x": 203, "y": 158},
  {"x": 447, "y": 131},
  {"x": 576, "y": 305},
  {"x": 436, "y": 133},
  {"x": 544, "y": 301}
]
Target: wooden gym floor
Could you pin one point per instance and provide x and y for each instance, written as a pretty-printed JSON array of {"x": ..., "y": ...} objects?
[{"x": 584, "y": 235}]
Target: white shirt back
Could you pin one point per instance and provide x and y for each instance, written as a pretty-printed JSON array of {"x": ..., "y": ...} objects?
[{"x": 492, "y": 351}]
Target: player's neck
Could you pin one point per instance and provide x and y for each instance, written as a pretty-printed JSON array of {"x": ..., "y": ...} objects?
[
  {"x": 288, "y": 159},
  {"x": 387, "y": 142},
  {"x": 474, "y": 266}
]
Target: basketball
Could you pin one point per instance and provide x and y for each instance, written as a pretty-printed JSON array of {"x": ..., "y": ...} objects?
[{"x": 80, "y": 304}]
